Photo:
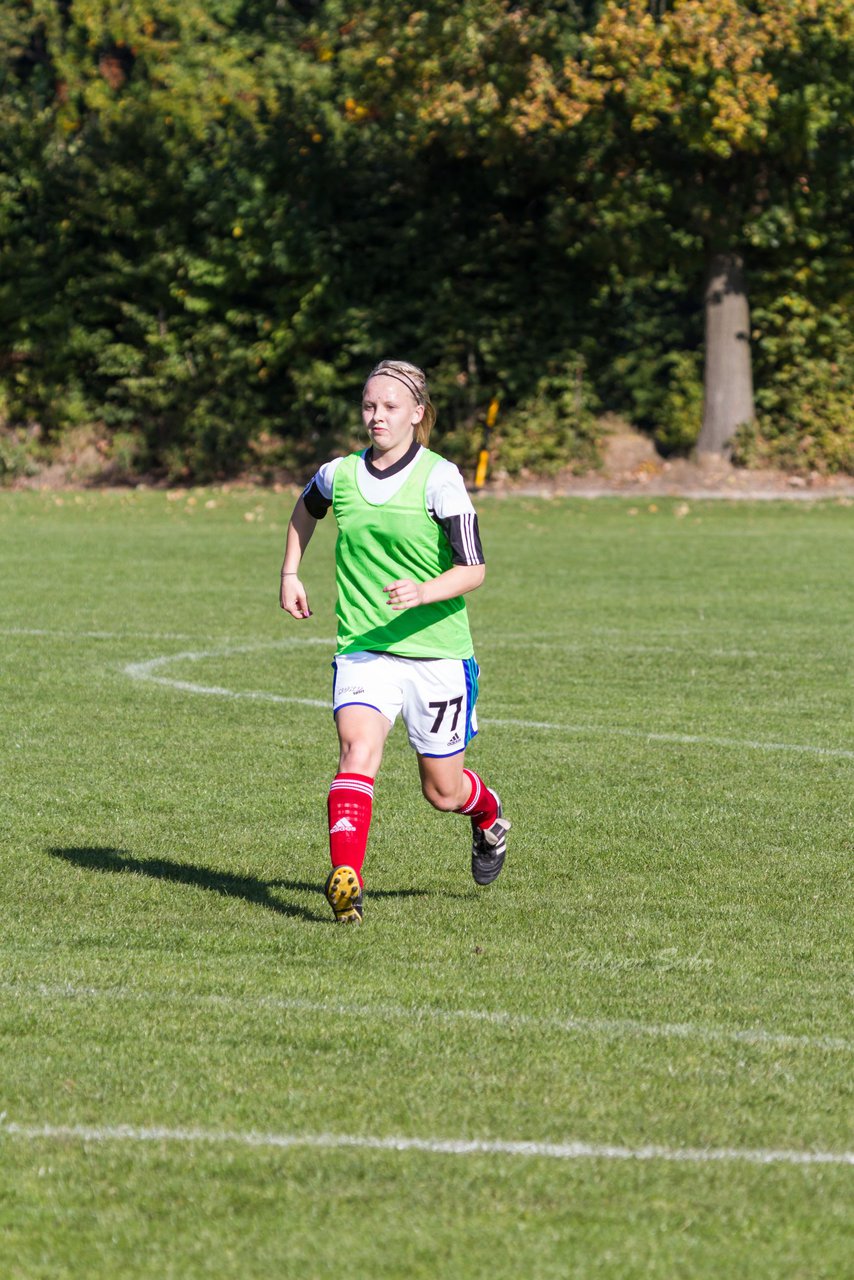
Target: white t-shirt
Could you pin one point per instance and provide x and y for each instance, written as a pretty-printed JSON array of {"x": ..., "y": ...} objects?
[{"x": 446, "y": 496}]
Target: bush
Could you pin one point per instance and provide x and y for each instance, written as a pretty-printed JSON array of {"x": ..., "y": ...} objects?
[
  {"x": 554, "y": 428},
  {"x": 805, "y": 389},
  {"x": 681, "y": 414},
  {"x": 17, "y": 455}
]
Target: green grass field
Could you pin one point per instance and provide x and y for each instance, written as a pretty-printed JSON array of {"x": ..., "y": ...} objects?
[{"x": 630, "y": 1057}]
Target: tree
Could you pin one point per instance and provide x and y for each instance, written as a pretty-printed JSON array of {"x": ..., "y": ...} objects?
[
  {"x": 729, "y": 111},
  {"x": 137, "y": 143}
]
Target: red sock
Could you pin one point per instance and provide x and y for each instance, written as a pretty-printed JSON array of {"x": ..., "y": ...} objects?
[
  {"x": 351, "y": 798},
  {"x": 481, "y": 806}
]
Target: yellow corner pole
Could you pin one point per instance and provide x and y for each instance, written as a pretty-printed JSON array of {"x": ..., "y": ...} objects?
[{"x": 483, "y": 458}]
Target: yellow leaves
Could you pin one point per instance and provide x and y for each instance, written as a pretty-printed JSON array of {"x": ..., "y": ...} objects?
[
  {"x": 740, "y": 116},
  {"x": 170, "y": 58},
  {"x": 786, "y": 23},
  {"x": 458, "y": 105},
  {"x": 552, "y": 102},
  {"x": 699, "y": 66},
  {"x": 702, "y": 70},
  {"x": 355, "y": 111}
]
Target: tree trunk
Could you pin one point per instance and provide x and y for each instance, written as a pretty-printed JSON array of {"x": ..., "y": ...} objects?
[{"x": 728, "y": 387}]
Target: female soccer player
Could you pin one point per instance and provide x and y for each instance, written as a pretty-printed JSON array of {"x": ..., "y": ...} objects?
[{"x": 408, "y": 550}]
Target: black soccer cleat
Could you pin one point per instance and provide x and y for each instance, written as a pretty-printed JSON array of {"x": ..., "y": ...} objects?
[
  {"x": 344, "y": 895},
  {"x": 489, "y": 847}
]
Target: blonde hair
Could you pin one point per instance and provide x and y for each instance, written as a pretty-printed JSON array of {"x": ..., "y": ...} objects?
[{"x": 415, "y": 380}]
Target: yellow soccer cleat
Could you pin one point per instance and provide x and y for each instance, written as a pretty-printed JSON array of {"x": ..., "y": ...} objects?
[{"x": 344, "y": 895}]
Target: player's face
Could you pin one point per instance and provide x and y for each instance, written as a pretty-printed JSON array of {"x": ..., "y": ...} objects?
[{"x": 390, "y": 415}]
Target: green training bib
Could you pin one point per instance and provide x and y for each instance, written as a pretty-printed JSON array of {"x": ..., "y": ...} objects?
[{"x": 380, "y": 542}]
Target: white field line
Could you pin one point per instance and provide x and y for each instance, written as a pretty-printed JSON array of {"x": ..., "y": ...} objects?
[
  {"x": 53, "y": 633},
  {"x": 613, "y": 645},
  {"x": 568, "y": 1025},
  {"x": 144, "y": 671},
  {"x": 147, "y": 672},
  {"x": 690, "y": 739},
  {"x": 428, "y": 1146}
]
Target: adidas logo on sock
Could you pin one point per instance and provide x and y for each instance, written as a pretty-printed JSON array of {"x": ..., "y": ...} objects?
[{"x": 343, "y": 824}]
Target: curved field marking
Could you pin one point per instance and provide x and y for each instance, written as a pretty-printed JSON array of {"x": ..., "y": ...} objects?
[
  {"x": 146, "y": 671},
  {"x": 567, "y": 1025},
  {"x": 427, "y": 1146}
]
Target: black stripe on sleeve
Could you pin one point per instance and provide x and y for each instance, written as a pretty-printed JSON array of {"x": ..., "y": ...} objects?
[
  {"x": 464, "y": 538},
  {"x": 315, "y": 503}
]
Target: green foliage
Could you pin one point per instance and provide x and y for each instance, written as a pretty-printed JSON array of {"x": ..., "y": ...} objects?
[
  {"x": 214, "y": 219},
  {"x": 805, "y": 403},
  {"x": 681, "y": 413},
  {"x": 642, "y": 362},
  {"x": 17, "y": 455},
  {"x": 552, "y": 429}
]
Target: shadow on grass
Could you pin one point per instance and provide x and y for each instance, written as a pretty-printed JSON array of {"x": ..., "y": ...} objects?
[{"x": 99, "y": 858}]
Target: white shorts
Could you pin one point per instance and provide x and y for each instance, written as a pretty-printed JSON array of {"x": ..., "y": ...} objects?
[{"x": 435, "y": 696}]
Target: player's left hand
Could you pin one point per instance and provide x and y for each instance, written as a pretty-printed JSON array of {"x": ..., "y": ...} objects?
[{"x": 404, "y": 593}]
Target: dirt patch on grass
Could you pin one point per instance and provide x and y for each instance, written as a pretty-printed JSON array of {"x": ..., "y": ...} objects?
[{"x": 632, "y": 466}]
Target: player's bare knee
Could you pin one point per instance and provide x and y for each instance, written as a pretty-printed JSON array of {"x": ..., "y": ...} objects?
[
  {"x": 358, "y": 757},
  {"x": 441, "y": 799}
]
